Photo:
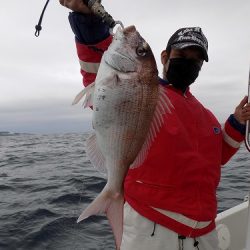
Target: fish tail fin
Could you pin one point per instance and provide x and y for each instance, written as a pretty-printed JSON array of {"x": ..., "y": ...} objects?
[
  {"x": 111, "y": 205},
  {"x": 115, "y": 217},
  {"x": 88, "y": 92}
]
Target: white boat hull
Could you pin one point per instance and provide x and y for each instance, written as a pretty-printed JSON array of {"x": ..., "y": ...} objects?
[{"x": 232, "y": 227}]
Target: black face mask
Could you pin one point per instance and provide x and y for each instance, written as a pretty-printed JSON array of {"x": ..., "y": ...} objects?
[{"x": 182, "y": 72}]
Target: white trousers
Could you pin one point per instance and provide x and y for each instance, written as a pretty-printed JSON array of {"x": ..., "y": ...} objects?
[{"x": 137, "y": 231}]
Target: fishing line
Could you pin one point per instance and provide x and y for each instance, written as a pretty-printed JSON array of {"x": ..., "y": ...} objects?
[
  {"x": 38, "y": 27},
  {"x": 97, "y": 9},
  {"x": 78, "y": 236}
]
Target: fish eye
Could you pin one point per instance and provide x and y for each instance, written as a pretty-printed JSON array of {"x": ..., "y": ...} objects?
[{"x": 141, "y": 51}]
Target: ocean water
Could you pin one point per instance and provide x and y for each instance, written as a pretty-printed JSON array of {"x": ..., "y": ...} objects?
[{"x": 46, "y": 181}]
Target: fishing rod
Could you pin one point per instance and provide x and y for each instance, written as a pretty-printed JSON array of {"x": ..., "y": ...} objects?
[
  {"x": 247, "y": 142},
  {"x": 247, "y": 137},
  {"x": 96, "y": 8}
]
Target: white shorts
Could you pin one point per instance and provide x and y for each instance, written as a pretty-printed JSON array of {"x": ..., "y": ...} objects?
[{"x": 137, "y": 231}]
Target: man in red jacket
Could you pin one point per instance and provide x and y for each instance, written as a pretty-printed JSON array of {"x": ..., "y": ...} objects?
[{"x": 171, "y": 198}]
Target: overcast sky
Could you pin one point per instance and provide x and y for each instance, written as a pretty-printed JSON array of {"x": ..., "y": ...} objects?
[{"x": 39, "y": 77}]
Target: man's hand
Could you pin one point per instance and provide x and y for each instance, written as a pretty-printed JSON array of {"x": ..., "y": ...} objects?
[
  {"x": 75, "y": 5},
  {"x": 242, "y": 111}
]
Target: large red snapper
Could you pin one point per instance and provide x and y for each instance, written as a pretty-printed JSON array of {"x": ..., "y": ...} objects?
[{"x": 128, "y": 105}]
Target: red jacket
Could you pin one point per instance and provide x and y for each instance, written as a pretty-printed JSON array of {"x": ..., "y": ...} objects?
[{"x": 182, "y": 170}]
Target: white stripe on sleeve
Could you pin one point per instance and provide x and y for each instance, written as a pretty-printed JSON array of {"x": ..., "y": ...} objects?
[
  {"x": 229, "y": 140},
  {"x": 89, "y": 67}
]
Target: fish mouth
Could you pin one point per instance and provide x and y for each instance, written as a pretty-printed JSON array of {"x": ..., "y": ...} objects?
[
  {"x": 126, "y": 30},
  {"x": 129, "y": 29}
]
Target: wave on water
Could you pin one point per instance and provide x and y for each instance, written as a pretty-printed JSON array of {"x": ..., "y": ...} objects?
[{"x": 46, "y": 182}]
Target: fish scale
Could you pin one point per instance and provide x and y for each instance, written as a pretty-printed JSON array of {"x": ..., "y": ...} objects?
[
  {"x": 128, "y": 109},
  {"x": 119, "y": 120}
]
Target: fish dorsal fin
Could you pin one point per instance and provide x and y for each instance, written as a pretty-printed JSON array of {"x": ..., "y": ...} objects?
[
  {"x": 88, "y": 92},
  {"x": 162, "y": 108},
  {"x": 94, "y": 154}
]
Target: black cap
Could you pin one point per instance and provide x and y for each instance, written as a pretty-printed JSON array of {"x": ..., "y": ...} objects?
[{"x": 186, "y": 37}]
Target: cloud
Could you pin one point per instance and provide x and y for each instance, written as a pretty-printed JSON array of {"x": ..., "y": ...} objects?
[
  {"x": 45, "y": 115},
  {"x": 40, "y": 76}
]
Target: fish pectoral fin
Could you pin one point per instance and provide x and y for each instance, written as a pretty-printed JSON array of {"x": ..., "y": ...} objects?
[
  {"x": 94, "y": 154},
  {"x": 88, "y": 92},
  {"x": 112, "y": 206},
  {"x": 162, "y": 108}
]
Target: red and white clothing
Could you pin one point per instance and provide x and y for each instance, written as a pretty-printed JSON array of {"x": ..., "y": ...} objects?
[
  {"x": 182, "y": 169},
  {"x": 142, "y": 234},
  {"x": 176, "y": 185}
]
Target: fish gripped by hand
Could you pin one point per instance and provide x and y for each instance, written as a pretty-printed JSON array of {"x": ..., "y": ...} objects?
[{"x": 128, "y": 109}]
